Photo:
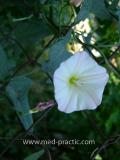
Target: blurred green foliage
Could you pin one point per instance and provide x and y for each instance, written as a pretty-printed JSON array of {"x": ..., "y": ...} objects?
[{"x": 34, "y": 40}]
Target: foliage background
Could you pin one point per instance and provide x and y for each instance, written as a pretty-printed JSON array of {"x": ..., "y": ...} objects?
[{"x": 35, "y": 37}]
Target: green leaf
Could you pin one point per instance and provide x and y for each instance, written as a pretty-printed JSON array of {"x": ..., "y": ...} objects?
[
  {"x": 67, "y": 16},
  {"x": 35, "y": 156},
  {"x": 63, "y": 14},
  {"x": 95, "y": 7},
  {"x": 31, "y": 31},
  {"x": 100, "y": 10},
  {"x": 84, "y": 11},
  {"x": 112, "y": 120},
  {"x": 118, "y": 14},
  {"x": 98, "y": 157},
  {"x": 57, "y": 54},
  {"x": 42, "y": 1},
  {"x": 5, "y": 64},
  {"x": 17, "y": 91}
]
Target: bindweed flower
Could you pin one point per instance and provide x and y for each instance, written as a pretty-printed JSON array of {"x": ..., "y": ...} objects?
[
  {"x": 42, "y": 106},
  {"x": 79, "y": 83}
]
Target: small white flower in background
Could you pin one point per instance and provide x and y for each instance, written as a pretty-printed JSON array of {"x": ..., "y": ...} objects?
[
  {"x": 76, "y": 2},
  {"x": 79, "y": 83}
]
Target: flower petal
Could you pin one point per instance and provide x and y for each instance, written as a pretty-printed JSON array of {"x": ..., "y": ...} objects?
[
  {"x": 62, "y": 99},
  {"x": 86, "y": 63},
  {"x": 71, "y": 103},
  {"x": 86, "y": 101},
  {"x": 93, "y": 83}
]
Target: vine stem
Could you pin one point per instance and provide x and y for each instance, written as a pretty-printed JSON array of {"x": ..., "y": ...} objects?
[
  {"x": 24, "y": 133},
  {"x": 106, "y": 144}
]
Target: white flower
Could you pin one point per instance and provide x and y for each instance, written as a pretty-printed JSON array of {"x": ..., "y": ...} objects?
[{"x": 79, "y": 83}]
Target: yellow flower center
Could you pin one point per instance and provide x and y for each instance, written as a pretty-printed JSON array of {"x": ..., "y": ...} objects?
[{"x": 73, "y": 79}]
